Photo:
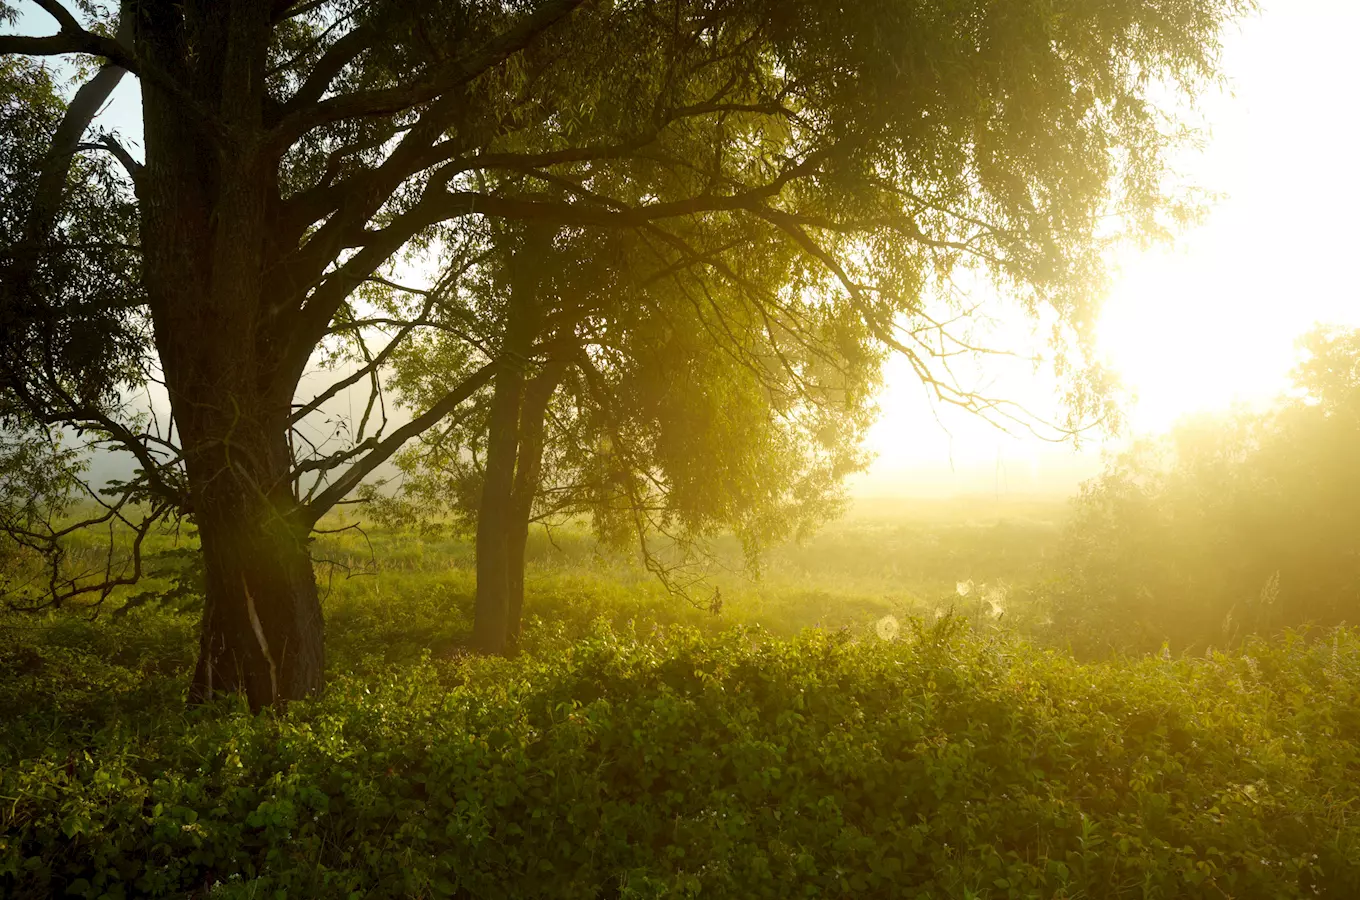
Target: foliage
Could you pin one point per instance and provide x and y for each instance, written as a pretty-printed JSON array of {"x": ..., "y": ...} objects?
[
  {"x": 863, "y": 163},
  {"x": 72, "y": 333},
  {"x": 667, "y": 418},
  {"x": 940, "y": 764},
  {"x": 1231, "y": 526}
]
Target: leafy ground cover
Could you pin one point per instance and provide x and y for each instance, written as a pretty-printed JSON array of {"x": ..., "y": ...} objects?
[{"x": 688, "y": 758}]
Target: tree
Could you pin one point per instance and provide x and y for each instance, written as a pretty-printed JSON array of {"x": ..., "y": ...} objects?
[
  {"x": 294, "y": 150},
  {"x": 73, "y": 335},
  {"x": 1233, "y": 525},
  {"x": 664, "y": 404}
]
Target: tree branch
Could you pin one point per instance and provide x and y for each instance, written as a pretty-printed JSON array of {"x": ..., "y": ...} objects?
[
  {"x": 393, "y": 100},
  {"x": 109, "y": 144},
  {"x": 315, "y": 403},
  {"x": 75, "y": 39},
  {"x": 56, "y": 168},
  {"x": 384, "y": 450},
  {"x": 338, "y": 55},
  {"x": 63, "y": 15}
]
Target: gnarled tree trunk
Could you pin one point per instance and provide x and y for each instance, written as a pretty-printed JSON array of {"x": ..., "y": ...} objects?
[
  {"x": 207, "y": 202},
  {"x": 262, "y": 624}
]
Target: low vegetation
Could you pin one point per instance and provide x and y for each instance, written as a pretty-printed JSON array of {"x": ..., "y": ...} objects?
[
  {"x": 637, "y": 270},
  {"x": 1234, "y": 525},
  {"x": 640, "y": 746}
]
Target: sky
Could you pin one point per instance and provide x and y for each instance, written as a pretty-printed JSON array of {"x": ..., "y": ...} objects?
[
  {"x": 1206, "y": 322},
  {"x": 1212, "y": 319}
]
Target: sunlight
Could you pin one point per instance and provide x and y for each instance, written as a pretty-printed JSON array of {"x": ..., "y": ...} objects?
[
  {"x": 713, "y": 448},
  {"x": 1211, "y": 320}
]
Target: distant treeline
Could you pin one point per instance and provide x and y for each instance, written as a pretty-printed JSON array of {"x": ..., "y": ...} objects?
[{"x": 1241, "y": 524}]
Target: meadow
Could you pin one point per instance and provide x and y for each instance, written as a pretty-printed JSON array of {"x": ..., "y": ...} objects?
[{"x": 850, "y": 724}]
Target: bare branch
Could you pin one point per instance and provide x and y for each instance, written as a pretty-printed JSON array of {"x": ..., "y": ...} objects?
[
  {"x": 370, "y": 369},
  {"x": 109, "y": 144},
  {"x": 72, "y": 40},
  {"x": 64, "y": 18},
  {"x": 332, "y": 62},
  {"x": 384, "y": 449},
  {"x": 291, "y": 9}
]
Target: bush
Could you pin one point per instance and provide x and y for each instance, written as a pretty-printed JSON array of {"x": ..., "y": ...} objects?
[{"x": 940, "y": 764}]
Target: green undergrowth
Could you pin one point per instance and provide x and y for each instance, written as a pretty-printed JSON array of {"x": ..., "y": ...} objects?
[{"x": 672, "y": 760}]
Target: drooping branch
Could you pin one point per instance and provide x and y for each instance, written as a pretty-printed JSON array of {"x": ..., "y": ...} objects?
[{"x": 945, "y": 391}]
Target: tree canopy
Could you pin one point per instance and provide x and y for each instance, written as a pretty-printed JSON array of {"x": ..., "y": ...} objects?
[{"x": 296, "y": 152}]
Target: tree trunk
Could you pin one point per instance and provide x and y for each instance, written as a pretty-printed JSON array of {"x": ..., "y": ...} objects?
[
  {"x": 222, "y": 336},
  {"x": 528, "y": 471},
  {"x": 491, "y": 616},
  {"x": 497, "y": 545},
  {"x": 262, "y": 633},
  {"x": 512, "y": 482}
]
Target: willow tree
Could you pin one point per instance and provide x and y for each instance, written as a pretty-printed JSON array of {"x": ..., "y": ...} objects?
[
  {"x": 660, "y": 402},
  {"x": 293, "y": 151}
]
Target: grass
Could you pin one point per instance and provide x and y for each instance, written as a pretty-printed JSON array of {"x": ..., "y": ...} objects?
[{"x": 885, "y": 558}]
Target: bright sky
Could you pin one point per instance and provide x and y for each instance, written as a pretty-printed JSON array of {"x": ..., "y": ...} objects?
[{"x": 1213, "y": 319}]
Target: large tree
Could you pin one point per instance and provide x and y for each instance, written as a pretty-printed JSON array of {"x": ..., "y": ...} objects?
[{"x": 294, "y": 149}]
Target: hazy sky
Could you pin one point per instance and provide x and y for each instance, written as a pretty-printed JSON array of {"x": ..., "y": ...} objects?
[{"x": 1212, "y": 319}]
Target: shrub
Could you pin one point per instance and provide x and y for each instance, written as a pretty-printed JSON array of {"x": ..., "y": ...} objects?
[
  {"x": 940, "y": 764},
  {"x": 1229, "y": 527}
]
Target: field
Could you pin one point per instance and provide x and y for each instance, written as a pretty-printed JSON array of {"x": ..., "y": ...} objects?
[
  {"x": 799, "y": 744},
  {"x": 885, "y": 557}
]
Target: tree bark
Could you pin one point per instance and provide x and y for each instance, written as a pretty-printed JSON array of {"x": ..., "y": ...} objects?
[
  {"x": 528, "y": 476},
  {"x": 208, "y": 201},
  {"x": 496, "y": 543},
  {"x": 491, "y": 615},
  {"x": 262, "y": 632}
]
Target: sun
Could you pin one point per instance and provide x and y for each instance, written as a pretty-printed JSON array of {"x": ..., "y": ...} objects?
[{"x": 1183, "y": 342}]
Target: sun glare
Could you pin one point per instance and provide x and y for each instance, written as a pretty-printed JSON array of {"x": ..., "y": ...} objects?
[{"x": 1213, "y": 319}]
